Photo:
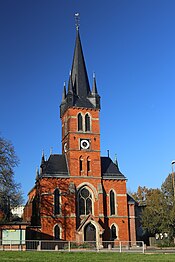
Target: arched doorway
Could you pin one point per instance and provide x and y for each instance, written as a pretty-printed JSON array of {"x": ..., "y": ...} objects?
[{"x": 89, "y": 232}]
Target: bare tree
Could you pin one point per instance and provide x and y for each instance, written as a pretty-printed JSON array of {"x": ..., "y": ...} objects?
[{"x": 10, "y": 191}]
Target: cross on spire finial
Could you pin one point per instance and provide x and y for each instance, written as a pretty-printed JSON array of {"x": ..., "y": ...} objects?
[{"x": 77, "y": 20}]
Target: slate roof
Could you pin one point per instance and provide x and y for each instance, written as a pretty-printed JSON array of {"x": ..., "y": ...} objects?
[
  {"x": 110, "y": 169},
  {"x": 56, "y": 165},
  {"x": 131, "y": 200}
]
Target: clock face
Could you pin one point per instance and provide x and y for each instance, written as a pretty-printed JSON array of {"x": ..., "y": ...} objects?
[{"x": 84, "y": 144}]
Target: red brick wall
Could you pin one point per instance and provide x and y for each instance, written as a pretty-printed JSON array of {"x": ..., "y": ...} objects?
[
  {"x": 92, "y": 179},
  {"x": 132, "y": 222}
]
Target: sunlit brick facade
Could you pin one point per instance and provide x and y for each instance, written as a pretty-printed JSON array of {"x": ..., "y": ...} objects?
[{"x": 80, "y": 195}]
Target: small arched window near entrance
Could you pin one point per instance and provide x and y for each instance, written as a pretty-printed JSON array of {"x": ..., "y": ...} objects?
[
  {"x": 87, "y": 123},
  {"x": 56, "y": 202},
  {"x": 114, "y": 232},
  {"x": 89, "y": 232},
  {"x": 112, "y": 203},
  {"x": 85, "y": 202},
  {"x": 57, "y": 233},
  {"x": 80, "y": 122}
]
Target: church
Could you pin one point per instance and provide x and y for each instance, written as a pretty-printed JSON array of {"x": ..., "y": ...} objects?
[{"x": 80, "y": 195}]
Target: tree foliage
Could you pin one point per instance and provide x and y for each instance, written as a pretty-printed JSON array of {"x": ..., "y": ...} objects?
[
  {"x": 158, "y": 215},
  {"x": 10, "y": 191}
]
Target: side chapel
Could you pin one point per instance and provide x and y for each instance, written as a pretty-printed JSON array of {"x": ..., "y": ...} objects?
[{"x": 80, "y": 195}]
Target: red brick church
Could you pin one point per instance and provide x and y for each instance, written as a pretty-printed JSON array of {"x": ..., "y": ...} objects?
[{"x": 80, "y": 195}]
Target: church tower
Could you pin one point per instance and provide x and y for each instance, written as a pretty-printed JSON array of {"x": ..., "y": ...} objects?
[
  {"x": 80, "y": 195},
  {"x": 79, "y": 112}
]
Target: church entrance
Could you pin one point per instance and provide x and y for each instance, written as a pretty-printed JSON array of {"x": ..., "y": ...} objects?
[{"x": 89, "y": 232}]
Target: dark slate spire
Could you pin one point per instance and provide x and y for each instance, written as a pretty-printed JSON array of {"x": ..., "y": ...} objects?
[
  {"x": 94, "y": 87},
  {"x": 70, "y": 85},
  {"x": 43, "y": 163},
  {"x": 79, "y": 93},
  {"x": 64, "y": 93},
  {"x": 78, "y": 72},
  {"x": 37, "y": 173},
  {"x": 42, "y": 158},
  {"x": 94, "y": 98}
]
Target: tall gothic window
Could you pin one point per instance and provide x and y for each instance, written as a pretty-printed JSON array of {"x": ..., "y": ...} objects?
[
  {"x": 80, "y": 122},
  {"x": 85, "y": 202},
  {"x": 112, "y": 203},
  {"x": 56, "y": 202},
  {"x": 113, "y": 232},
  {"x": 87, "y": 123},
  {"x": 57, "y": 232},
  {"x": 88, "y": 165},
  {"x": 81, "y": 164}
]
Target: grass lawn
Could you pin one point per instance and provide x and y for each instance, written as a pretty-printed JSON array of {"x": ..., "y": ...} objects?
[{"x": 28, "y": 256}]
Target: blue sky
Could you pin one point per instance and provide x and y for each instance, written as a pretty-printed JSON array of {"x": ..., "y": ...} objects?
[{"x": 129, "y": 44}]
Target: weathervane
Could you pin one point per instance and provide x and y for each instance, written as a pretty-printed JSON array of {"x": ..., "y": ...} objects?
[{"x": 77, "y": 20}]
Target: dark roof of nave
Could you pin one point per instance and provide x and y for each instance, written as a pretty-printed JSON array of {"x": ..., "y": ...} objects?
[
  {"x": 56, "y": 165},
  {"x": 110, "y": 169}
]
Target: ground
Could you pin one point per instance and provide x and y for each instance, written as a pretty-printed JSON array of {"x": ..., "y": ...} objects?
[{"x": 81, "y": 257}]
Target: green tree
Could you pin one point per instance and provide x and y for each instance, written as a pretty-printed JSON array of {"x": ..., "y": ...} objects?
[
  {"x": 167, "y": 189},
  {"x": 141, "y": 195},
  {"x": 154, "y": 211},
  {"x": 168, "y": 192},
  {"x": 10, "y": 191},
  {"x": 158, "y": 213},
  {"x": 154, "y": 218}
]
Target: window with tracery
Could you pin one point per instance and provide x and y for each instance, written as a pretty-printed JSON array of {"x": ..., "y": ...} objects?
[
  {"x": 56, "y": 202},
  {"x": 85, "y": 202}
]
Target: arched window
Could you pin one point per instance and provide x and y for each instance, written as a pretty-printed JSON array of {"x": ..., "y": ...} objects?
[
  {"x": 87, "y": 123},
  {"x": 114, "y": 232},
  {"x": 112, "y": 203},
  {"x": 80, "y": 122},
  {"x": 56, "y": 202},
  {"x": 85, "y": 201},
  {"x": 81, "y": 164},
  {"x": 88, "y": 165},
  {"x": 57, "y": 232}
]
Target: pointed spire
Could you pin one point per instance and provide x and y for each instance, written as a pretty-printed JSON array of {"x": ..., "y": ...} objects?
[
  {"x": 42, "y": 163},
  {"x": 70, "y": 85},
  {"x": 64, "y": 92},
  {"x": 37, "y": 173},
  {"x": 79, "y": 93},
  {"x": 43, "y": 158},
  {"x": 78, "y": 71},
  {"x": 115, "y": 160},
  {"x": 94, "y": 87}
]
